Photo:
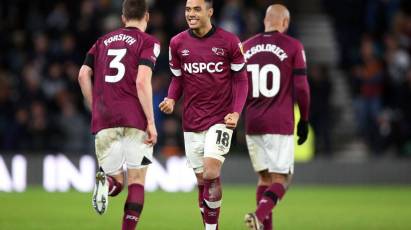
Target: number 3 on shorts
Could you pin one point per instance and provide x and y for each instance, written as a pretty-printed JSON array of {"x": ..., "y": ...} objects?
[{"x": 218, "y": 139}]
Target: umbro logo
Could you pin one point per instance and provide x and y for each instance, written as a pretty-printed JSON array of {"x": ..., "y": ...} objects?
[
  {"x": 211, "y": 213},
  {"x": 185, "y": 52},
  {"x": 218, "y": 51}
]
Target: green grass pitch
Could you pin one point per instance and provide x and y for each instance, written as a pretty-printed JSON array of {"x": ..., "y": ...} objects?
[{"x": 304, "y": 207}]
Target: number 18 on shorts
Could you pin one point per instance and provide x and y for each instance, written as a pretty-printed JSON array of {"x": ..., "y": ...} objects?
[
  {"x": 217, "y": 140},
  {"x": 214, "y": 143}
]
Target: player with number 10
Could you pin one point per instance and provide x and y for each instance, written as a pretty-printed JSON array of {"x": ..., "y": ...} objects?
[
  {"x": 276, "y": 68},
  {"x": 207, "y": 63},
  {"x": 120, "y": 65}
]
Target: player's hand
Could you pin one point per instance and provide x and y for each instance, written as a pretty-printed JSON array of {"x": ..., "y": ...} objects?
[
  {"x": 231, "y": 120},
  {"x": 302, "y": 131},
  {"x": 167, "y": 105},
  {"x": 151, "y": 134}
]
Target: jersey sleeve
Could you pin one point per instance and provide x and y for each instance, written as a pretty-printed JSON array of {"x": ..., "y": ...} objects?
[
  {"x": 237, "y": 55},
  {"x": 174, "y": 59},
  {"x": 150, "y": 52},
  {"x": 299, "y": 65},
  {"x": 301, "y": 86},
  {"x": 89, "y": 60}
]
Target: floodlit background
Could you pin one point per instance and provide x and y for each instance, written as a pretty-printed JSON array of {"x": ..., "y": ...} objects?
[{"x": 355, "y": 169}]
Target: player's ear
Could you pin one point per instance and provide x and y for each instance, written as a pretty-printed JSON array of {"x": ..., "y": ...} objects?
[
  {"x": 266, "y": 21},
  {"x": 147, "y": 17},
  {"x": 286, "y": 23},
  {"x": 123, "y": 19},
  {"x": 210, "y": 12}
]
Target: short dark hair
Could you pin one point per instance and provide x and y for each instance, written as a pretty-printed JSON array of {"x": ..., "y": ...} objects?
[
  {"x": 134, "y": 9},
  {"x": 210, "y": 3}
]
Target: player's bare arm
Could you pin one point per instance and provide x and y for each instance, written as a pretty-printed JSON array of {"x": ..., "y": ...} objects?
[
  {"x": 86, "y": 85},
  {"x": 145, "y": 95}
]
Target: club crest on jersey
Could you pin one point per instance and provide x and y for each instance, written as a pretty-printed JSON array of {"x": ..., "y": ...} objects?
[
  {"x": 218, "y": 51},
  {"x": 185, "y": 52}
]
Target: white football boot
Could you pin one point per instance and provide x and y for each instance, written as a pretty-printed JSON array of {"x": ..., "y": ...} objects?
[
  {"x": 100, "y": 194},
  {"x": 252, "y": 223}
]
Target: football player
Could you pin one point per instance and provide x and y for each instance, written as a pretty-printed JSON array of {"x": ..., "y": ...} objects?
[{"x": 115, "y": 80}]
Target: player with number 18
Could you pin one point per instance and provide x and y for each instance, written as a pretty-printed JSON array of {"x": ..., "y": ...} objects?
[{"x": 208, "y": 67}]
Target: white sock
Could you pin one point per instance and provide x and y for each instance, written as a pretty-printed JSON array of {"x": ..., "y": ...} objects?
[{"x": 211, "y": 227}]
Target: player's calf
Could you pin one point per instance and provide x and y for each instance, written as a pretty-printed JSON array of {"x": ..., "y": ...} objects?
[
  {"x": 270, "y": 198},
  {"x": 133, "y": 206},
  {"x": 201, "y": 200},
  {"x": 212, "y": 202},
  {"x": 114, "y": 187},
  {"x": 268, "y": 221}
]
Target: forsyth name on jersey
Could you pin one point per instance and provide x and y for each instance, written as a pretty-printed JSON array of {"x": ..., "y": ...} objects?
[
  {"x": 205, "y": 66},
  {"x": 273, "y": 61},
  {"x": 120, "y": 37},
  {"x": 115, "y": 58}
]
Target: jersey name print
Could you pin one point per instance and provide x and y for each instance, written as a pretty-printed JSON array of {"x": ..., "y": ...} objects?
[
  {"x": 273, "y": 61},
  {"x": 115, "y": 58}
]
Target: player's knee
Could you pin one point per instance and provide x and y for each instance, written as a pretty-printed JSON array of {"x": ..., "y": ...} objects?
[
  {"x": 136, "y": 177},
  {"x": 264, "y": 178},
  {"x": 212, "y": 168},
  {"x": 210, "y": 174},
  {"x": 200, "y": 179},
  {"x": 280, "y": 179},
  {"x": 135, "y": 180}
]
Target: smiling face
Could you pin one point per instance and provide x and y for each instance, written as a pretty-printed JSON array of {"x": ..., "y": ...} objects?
[{"x": 198, "y": 14}]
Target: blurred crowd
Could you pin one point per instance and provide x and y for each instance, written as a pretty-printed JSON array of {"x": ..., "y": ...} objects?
[
  {"x": 375, "y": 47},
  {"x": 43, "y": 45},
  {"x": 44, "y": 42}
]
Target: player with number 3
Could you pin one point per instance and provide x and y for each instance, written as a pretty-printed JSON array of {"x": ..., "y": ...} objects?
[{"x": 115, "y": 80}]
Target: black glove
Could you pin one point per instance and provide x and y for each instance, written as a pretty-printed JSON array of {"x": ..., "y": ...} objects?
[{"x": 302, "y": 131}]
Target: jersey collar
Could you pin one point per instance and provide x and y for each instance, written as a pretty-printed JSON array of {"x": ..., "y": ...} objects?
[
  {"x": 131, "y": 28},
  {"x": 211, "y": 32},
  {"x": 271, "y": 32}
]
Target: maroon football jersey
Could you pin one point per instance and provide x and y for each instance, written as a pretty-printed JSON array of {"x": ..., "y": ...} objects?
[
  {"x": 273, "y": 60},
  {"x": 115, "y": 58},
  {"x": 206, "y": 66}
]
